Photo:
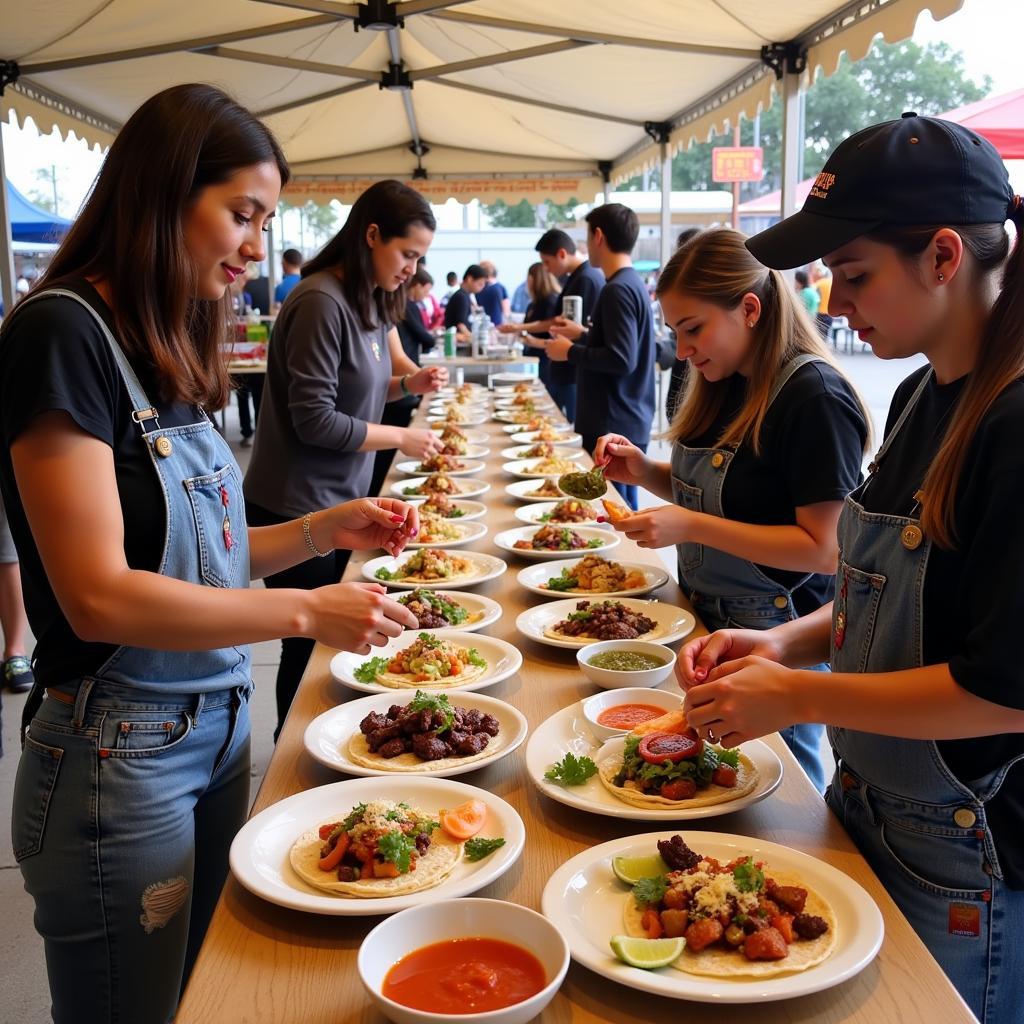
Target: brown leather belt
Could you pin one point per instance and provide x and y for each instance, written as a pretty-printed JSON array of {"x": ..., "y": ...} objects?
[{"x": 64, "y": 698}]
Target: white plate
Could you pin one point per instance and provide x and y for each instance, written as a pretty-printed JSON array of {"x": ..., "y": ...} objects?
[
  {"x": 513, "y": 417},
  {"x": 467, "y": 488},
  {"x": 530, "y": 437},
  {"x": 471, "y": 509},
  {"x": 534, "y": 575},
  {"x": 522, "y": 451},
  {"x": 510, "y": 404},
  {"x": 470, "y": 532},
  {"x": 474, "y": 419},
  {"x": 415, "y": 468},
  {"x": 472, "y": 436},
  {"x": 568, "y": 731},
  {"x": 474, "y": 451},
  {"x": 520, "y": 490},
  {"x": 673, "y": 622},
  {"x": 503, "y": 660},
  {"x": 489, "y": 568},
  {"x": 259, "y": 853},
  {"x": 585, "y": 901},
  {"x": 327, "y": 736},
  {"x": 515, "y": 428},
  {"x": 478, "y": 407},
  {"x": 527, "y": 468},
  {"x": 507, "y": 538},
  {"x": 488, "y": 610},
  {"x": 532, "y": 513},
  {"x": 450, "y": 391},
  {"x": 509, "y": 390}
]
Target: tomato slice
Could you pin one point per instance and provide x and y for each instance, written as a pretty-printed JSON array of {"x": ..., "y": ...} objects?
[
  {"x": 333, "y": 859},
  {"x": 464, "y": 821},
  {"x": 659, "y": 747}
]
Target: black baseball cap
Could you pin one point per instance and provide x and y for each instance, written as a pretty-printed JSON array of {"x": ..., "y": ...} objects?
[{"x": 914, "y": 170}]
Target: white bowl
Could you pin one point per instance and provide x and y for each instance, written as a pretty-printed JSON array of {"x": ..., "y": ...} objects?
[
  {"x": 593, "y": 706},
  {"x": 610, "y": 678},
  {"x": 409, "y": 930}
]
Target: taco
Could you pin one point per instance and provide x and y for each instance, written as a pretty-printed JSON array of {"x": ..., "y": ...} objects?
[
  {"x": 776, "y": 925},
  {"x": 428, "y": 661},
  {"x": 433, "y": 611},
  {"x": 428, "y": 733},
  {"x": 604, "y": 620},
  {"x": 379, "y": 849},
  {"x": 664, "y": 763},
  {"x": 595, "y": 575},
  {"x": 437, "y": 530},
  {"x": 430, "y": 565}
]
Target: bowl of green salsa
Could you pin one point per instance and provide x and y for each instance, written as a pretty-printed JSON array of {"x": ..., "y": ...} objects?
[{"x": 615, "y": 663}]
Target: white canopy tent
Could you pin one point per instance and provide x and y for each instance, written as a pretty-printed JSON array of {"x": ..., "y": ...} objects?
[{"x": 466, "y": 98}]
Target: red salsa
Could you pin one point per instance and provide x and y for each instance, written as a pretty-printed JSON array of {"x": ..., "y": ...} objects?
[
  {"x": 625, "y": 716},
  {"x": 465, "y": 976}
]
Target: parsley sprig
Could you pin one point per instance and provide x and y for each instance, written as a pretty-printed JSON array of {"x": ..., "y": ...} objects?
[
  {"x": 571, "y": 770},
  {"x": 477, "y": 849}
]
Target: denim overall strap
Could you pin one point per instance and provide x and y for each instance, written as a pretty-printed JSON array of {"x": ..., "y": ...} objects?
[{"x": 709, "y": 575}]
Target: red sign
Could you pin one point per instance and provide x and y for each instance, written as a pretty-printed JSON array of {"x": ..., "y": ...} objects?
[{"x": 737, "y": 163}]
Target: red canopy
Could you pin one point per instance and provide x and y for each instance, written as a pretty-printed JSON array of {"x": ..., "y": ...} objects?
[{"x": 1000, "y": 119}]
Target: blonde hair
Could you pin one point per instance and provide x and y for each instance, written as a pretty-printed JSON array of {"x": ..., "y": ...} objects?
[
  {"x": 715, "y": 266},
  {"x": 540, "y": 283}
]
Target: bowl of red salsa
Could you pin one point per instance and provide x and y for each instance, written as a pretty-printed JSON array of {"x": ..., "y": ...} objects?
[
  {"x": 615, "y": 712},
  {"x": 615, "y": 663},
  {"x": 472, "y": 960}
]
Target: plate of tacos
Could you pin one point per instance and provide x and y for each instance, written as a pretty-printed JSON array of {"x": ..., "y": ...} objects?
[
  {"x": 576, "y": 623},
  {"x": 436, "y": 531},
  {"x": 439, "y": 483},
  {"x": 455, "y": 432},
  {"x": 755, "y": 921},
  {"x": 554, "y": 435},
  {"x": 434, "y": 568},
  {"x": 450, "y": 609},
  {"x": 591, "y": 576},
  {"x": 443, "y": 507},
  {"x": 540, "y": 450},
  {"x": 427, "y": 734},
  {"x": 428, "y": 660},
  {"x": 449, "y": 465},
  {"x": 461, "y": 415},
  {"x": 376, "y": 845},
  {"x": 590, "y": 784},
  {"x": 535, "y": 490},
  {"x": 555, "y": 540},
  {"x": 567, "y": 512}
]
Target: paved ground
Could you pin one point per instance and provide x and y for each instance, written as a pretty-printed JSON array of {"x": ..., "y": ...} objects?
[{"x": 23, "y": 993}]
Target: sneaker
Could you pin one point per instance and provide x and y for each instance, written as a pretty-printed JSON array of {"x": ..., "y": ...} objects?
[{"x": 18, "y": 676}]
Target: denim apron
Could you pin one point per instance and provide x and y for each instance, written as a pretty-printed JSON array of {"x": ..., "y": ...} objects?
[
  {"x": 728, "y": 591},
  {"x": 923, "y": 831},
  {"x": 127, "y": 773}
]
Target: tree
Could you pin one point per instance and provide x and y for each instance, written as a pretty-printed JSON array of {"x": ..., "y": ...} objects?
[
  {"x": 319, "y": 219},
  {"x": 527, "y": 215},
  {"x": 48, "y": 197}
]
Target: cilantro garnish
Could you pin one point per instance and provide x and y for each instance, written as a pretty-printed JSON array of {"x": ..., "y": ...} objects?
[
  {"x": 369, "y": 670},
  {"x": 571, "y": 770},
  {"x": 729, "y": 757},
  {"x": 477, "y": 849},
  {"x": 748, "y": 876},
  {"x": 384, "y": 574},
  {"x": 354, "y": 817},
  {"x": 436, "y": 702},
  {"x": 650, "y": 890},
  {"x": 476, "y": 658},
  {"x": 397, "y": 848}
]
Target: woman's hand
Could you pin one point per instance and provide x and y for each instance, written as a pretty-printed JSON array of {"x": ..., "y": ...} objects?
[
  {"x": 742, "y": 700},
  {"x": 701, "y": 656},
  {"x": 621, "y": 459},
  {"x": 419, "y": 443},
  {"x": 357, "y": 616},
  {"x": 656, "y": 527},
  {"x": 426, "y": 380},
  {"x": 368, "y": 523},
  {"x": 508, "y": 328}
]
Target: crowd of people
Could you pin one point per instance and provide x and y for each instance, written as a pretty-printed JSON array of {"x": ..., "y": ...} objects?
[{"x": 871, "y": 605}]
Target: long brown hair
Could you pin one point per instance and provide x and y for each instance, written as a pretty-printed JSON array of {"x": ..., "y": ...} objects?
[
  {"x": 715, "y": 266},
  {"x": 130, "y": 233},
  {"x": 394, "y": 208},
  {"x": 541, "y": 283},
  {"x": 1000, "y": 357}
]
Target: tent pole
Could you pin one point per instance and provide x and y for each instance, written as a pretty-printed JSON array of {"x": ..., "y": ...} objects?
[
  {"x": 792, "y": 141},
  {"x": 666, "y": 203},
  {"x": 6, "y": 243}
]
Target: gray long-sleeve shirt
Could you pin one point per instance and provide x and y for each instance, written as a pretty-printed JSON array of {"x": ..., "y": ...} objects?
[{"x": 327, "y": 377}]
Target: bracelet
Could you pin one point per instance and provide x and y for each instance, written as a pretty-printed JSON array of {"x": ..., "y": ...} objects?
[
  {"x": 309, "y": 537},
  {"x": 405, "y": 390}
]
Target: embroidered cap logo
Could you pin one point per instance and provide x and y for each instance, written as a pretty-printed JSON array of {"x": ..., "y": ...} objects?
[{"x": 822, "y": 183}]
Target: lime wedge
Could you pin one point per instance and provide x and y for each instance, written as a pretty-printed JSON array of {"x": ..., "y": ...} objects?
[
  {"x": 631, "y": 869},
  {"x": 647, "y": 953}
]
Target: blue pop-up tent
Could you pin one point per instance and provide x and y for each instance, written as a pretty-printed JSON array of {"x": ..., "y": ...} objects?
[{"x": 29, "y": 223}]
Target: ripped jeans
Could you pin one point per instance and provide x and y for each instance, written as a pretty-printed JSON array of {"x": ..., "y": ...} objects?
[{"x": 125, "y": 805}]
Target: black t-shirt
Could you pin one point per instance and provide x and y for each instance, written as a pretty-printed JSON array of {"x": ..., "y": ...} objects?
[
  {"x": 416, "y": 340},
  {"x": 812, "y": 446},
  {"x": 585, "y": 281},
  {"x": 973, "y": 600},
  {"x": 544, "y": 309},
  {"x": 53, "y": 356},
  {"x": 459, "y": 308}
]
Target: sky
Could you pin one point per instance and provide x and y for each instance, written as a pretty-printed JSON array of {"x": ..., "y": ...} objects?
[{"x": 988, "y": 32}]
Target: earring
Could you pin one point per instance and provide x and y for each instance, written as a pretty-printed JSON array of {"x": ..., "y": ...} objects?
[
  {"x": 750, "y": 323},
  {"x": 942, "y": 277}
]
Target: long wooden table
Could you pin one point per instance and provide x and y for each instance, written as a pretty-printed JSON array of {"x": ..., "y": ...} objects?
[{"x": 263, "y": 963}]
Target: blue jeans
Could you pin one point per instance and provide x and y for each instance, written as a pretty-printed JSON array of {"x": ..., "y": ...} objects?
[
  {"x": 564, "y": 396},
  {"x": 132, "y": 810}
]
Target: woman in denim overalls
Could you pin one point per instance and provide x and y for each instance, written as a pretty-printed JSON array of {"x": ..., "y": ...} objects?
[
  {"x": 134, "y": 776},
  {"x": 922, "y": 631},
  {"x": 766, "y": 404}
]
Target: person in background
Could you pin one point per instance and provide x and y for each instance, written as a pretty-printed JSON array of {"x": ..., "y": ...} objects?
[
  {"x": 680, "y": 367},
  {"x": 415, "y": 340},
  {"x": 493, "y": 297},
  {"x": 520, "y": 298},
  {"x": 821, "y": 282},
  {"x": 808, "y": 295},
  {"x": 18, "y": 677},
  {"x": 567, "y": 261},
  {"x": 331, "y": 368},
  {"x": 258, "y": 287},
  {"x": 291, "y": 268},
  {"x": 126, "y": 508},
  {"x": 431, "y": 310},
  {"x": 248, "y": 389},
  {"x": 545, "y": 304},
  {"x": 925, "y": 703},
  {"x": 451, "y": 287},
  {"x": 614, "y": 358},
  {"x": 462, "y": 302}
]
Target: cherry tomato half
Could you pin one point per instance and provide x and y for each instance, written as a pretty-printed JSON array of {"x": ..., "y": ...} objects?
[{"x": 659, "y": 747}]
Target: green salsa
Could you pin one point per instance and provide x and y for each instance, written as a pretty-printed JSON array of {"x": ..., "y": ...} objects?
[{"x": 626, "y": 661}]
